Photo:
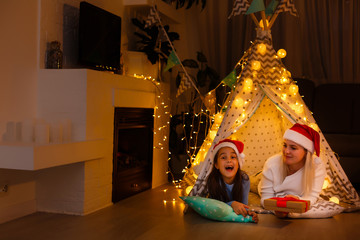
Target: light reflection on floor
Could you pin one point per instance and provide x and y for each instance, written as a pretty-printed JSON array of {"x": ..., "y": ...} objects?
[{"x": 171, "y": 198}]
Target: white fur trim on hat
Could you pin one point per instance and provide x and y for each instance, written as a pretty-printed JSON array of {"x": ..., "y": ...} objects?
[
  {"x": 299, "y": 139},
  {"x": 241, "y": 156},
  {"x": 317, "y": 160}
]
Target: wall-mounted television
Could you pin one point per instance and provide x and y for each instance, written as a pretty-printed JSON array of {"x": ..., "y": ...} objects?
[{"x": 99, "y": 38}]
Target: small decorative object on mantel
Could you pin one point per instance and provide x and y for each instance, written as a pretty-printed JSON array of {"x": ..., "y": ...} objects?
[{"x": 54, "y": 55}]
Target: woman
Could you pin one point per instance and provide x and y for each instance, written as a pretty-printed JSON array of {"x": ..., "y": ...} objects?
[{"x": 296, "y": 172}]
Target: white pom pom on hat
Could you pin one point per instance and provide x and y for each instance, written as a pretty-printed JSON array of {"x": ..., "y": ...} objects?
[{"x": 238, "y": 147}]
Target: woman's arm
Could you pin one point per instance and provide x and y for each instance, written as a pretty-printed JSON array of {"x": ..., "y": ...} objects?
[
  {"x": 267, "y": 181},
  {"x": 267, "y": 186}
]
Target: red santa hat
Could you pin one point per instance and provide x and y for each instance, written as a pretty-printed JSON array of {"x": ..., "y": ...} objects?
[
  {"x": 238, "y": 147},
  {"x": 304, "y": 136}
]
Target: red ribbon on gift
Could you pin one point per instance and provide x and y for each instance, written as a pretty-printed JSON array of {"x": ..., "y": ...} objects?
[{"x": 281, "y": 202}]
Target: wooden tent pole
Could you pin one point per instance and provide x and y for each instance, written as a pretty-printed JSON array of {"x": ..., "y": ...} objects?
[
  {"x": 264, "y": 19},
  {"x": 255, "y": 20},
  {"x": 273, "y": 19}
]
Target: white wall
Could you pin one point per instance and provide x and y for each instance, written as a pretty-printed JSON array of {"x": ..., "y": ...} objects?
[
  {"x": 19, "y": 51},
  {"x": 26, "y": 26}
]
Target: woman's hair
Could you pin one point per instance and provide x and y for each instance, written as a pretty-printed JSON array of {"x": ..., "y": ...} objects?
[
  {"x": 308, "y": 175},
  {"x": 216, "y": 185}
]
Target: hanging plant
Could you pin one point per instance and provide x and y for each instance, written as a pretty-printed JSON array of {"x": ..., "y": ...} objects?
[
  {"x": 156, "y": 47},
  {"x": 181, "y": 3},
  {"x": 205, "y": 73}
]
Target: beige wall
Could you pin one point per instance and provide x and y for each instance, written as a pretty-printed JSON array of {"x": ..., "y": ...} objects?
[
  {"x": 19, "y": 28},
  {"x": 19, "y": 52},
  {"x": 26, "y": 26}
]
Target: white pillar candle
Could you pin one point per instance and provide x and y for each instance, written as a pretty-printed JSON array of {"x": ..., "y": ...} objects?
[
  {"x": 42, "y": 133},
  {"x": 18, "y": 127},
  {"x": 56, "y": 132},
  {"x": 67, "y": 130},
  {"x": 27, "y": 131},
  {"x": 10, "y": 131}
]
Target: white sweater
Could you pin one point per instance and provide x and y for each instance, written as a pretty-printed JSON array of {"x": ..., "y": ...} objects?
[{"x": 271, "y": 184}]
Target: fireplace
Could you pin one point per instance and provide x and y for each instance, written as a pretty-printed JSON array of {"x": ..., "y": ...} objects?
[{"x": 133, "y": 151}]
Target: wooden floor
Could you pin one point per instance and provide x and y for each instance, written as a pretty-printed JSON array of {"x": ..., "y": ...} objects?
[{"x": 147, "y": 216}]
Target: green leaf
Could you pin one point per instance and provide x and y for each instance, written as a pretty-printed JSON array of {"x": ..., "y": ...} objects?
[
  {"x": 173, "y": 36},
  {"x": 213, "y": 75},
  {"x": 201, "y": 57},
  {"x": 137, "y": 23},
  {"x": 203, "y": 4},
  {"x": 149, "y": 43},
  {"x": 178, "y": 80},
  {"x": 201, "y": 78},
  {"x": 190, "y": 63},
  {"x": 190, "y": 3}
]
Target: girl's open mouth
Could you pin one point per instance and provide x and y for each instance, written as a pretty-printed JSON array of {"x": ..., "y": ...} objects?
[{"x": 229, "y": 168}]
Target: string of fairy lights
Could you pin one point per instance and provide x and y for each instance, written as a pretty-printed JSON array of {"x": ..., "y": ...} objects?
[
  {"x": 210, "y": 121},
  {"x": 161, "y": 113}
]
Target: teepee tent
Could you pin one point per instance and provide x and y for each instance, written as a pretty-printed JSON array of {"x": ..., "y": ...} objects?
[{"x": 264, "y": 103}]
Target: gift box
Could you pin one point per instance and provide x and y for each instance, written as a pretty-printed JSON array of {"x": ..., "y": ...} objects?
[{"x": 287, "y": 204}]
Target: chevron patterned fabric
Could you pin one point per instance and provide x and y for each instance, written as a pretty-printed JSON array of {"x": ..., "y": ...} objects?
[
  {"x": 184, "y": 84},
  {"x": 286, "y": 6},
  {"x": 320, "y": 209},
  {"x": 269, "y": 62},
  {"x": 240, "y": 6},
  {"x": 268, "y": 109},
  {"x": 151, "y": 19}
]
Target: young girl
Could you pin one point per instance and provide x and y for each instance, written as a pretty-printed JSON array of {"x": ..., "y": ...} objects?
[{"x": 227, "y": 182}]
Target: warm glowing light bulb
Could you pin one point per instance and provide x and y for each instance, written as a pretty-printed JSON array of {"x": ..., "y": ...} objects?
[
  {"x": 218, "y": 118},
  {"x": 326, "y": 184},
  {"x": 248, "y": 84},
  {"x": 238, "y": 102},
  {"x": 314, "y": 126},
  {"x": 287, "y": 74},
  {"x": 255, "y": 65},
  {"x": 212, "y": 134},
  {"x": 299, "y": 109},
  {"x": 261, "y": 23},
  {"x": 284, "y": 80},
  {"x": 261, "y": 48},
  {"x": 188, "y": 189},
  {"x": 293, "y": 89},
  {"x": 334, "y": 199},
  {"x": 281, "y": 53}
]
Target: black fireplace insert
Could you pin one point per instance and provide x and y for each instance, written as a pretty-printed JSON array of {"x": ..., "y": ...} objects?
[{"x": 133, "y": 151}]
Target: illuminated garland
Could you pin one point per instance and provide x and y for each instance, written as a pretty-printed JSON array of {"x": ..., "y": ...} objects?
[{"x": 161, "y": 110}]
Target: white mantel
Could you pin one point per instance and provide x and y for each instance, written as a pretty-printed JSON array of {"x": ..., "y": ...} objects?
[{"x": 76, "y": 177}]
